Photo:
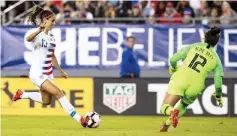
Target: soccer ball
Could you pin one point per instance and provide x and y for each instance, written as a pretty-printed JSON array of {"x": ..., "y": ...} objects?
[{"x": 94, "y": 119}]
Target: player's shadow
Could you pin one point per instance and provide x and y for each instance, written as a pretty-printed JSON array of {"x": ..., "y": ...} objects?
[{"x": 8, "y": 93}]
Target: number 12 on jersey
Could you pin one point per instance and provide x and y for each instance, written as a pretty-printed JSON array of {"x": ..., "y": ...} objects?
[{"x": 194, "y": 63}]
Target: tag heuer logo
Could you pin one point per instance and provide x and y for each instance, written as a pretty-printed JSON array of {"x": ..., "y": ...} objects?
[{"x": 119, "y": 96}]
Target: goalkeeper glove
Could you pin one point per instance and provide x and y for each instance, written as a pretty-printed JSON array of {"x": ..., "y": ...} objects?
[
  {"x": 172, "y": 69},
  {"x": 218, "y": 99}
]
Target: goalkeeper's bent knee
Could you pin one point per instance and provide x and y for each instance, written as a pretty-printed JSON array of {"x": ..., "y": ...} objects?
[{"x": 166, "y": 109}]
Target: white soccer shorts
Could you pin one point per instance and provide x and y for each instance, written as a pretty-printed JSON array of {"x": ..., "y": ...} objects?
[{"x": 39, "y": 80}]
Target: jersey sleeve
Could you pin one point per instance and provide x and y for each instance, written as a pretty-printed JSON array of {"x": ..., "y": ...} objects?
[
  {"x": 36, "y": 38},
  {"x": 180, "y": 55},
  {"x": 36, "y": 41},
  {"x": 218, "y": 71},
  {"x": 218, "y": 74}
]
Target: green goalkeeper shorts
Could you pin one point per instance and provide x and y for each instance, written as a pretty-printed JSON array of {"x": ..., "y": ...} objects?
[{"x": 184, "y": 86}]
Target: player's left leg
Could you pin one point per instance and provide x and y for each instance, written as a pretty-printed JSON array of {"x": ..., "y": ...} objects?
[
  {"x": 182, "y": 107},
  {"x": 175, "y": 91},
  {"x": 175, "y": 114},
  {"x": 190, "y": 95},
  {"x": 51, "y": 88},
  {"x": 166, "y": 109},
  {"x": 168, "y": 103},
  {"x": 173, "y": 95}
]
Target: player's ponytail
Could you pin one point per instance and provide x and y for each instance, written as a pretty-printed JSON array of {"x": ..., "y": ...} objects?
[
  {"x": 34, "y": 13},
  {"x": 215, "y": 30},
  {"x": 212, "y": 36},
  {"x": 38, "y": 11}
]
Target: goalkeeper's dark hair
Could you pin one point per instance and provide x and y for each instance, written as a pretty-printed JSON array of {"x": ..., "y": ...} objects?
[
  {"x": 38, "y": 11},
  {"x": 212, "y": 36}
]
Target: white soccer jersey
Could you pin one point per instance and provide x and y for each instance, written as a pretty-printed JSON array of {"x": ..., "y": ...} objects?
[{"x": 42, "y": 67}]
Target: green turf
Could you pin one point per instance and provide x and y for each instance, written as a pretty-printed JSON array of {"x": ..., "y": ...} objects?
[{"x": 117, "y": 126}]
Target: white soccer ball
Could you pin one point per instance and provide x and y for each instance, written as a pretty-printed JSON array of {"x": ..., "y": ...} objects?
[{"x": 94, "y": 119}]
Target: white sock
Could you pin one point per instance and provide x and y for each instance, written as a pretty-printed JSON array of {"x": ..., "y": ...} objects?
[
  {"x": 35, "y": 96},
  {"x": 67, "y": 106}
]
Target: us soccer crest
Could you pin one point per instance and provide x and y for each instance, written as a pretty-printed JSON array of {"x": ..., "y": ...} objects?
[{"x": 119, "y": 96}]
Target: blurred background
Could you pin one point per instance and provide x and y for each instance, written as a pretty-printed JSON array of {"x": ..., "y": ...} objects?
[
  {"x": 90, "y": 40},
  {"x": 163, "y": 17},
  {"x": 131, "y": 12}
]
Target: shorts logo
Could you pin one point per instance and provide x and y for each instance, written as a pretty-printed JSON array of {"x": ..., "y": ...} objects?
[
  {"x": 119, "y": 96},
  {"x": 42, "y": 76}
]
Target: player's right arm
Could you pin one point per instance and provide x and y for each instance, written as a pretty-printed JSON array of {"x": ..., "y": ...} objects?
[
  {"x": 30, "y": 37},
  {"x": 218, "y": 74}
]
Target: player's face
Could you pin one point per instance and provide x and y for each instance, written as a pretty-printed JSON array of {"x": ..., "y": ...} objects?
[
  {"x": 130, "y": 42},
  {"x": 50, "y": 22}
]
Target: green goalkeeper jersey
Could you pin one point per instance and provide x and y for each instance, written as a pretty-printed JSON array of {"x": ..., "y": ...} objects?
[{"x": 198, "y": 62}]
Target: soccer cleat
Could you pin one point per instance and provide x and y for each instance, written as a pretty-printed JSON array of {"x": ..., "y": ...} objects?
[
  {"x": 84, "y": 121},
  {"x": 164, "y": 127},
  {"x": 174, "y": 117},
  {"x": 17, "y": 96}
]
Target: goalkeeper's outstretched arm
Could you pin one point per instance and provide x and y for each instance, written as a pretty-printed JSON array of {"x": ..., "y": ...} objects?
[
  {"x": 218, "y": 86},
  {"x": 218, "y": 74}
]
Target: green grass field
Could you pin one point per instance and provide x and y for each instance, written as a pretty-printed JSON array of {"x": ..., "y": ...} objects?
[{"x": 117, "y": 126}]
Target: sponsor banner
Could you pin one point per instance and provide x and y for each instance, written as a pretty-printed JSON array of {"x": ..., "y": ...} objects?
[
  {"x": 79, "y": 92},
  {"x": 115, "y": 96},
  {"x": 101, "y": 46},
  {"x": 119, "y": 97}
]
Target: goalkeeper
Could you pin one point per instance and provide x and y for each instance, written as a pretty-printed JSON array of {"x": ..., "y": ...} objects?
[{"x": 187, "y": 81}]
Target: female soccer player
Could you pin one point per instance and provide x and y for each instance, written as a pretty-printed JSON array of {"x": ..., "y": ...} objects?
[
  {"x": 187, "y": 81},
  {"x": 41, "y": 71}
]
